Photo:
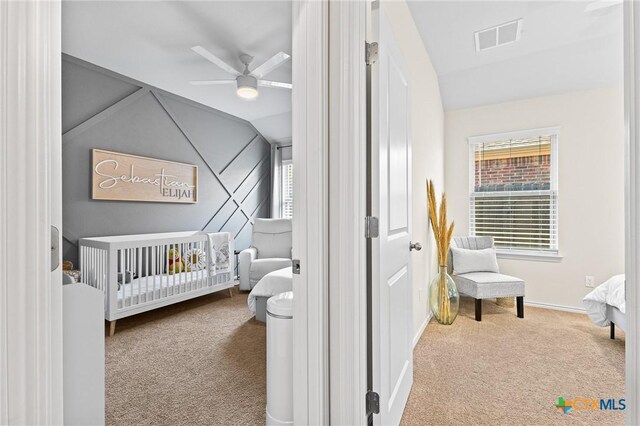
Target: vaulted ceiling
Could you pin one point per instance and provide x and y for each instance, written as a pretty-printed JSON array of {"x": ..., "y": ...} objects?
[
  {"x": 151, "y": 42},
  {"x": 563, "y": 47}
]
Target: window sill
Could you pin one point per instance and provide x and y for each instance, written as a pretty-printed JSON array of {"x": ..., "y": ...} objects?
[{"x": 536, "y": 256}]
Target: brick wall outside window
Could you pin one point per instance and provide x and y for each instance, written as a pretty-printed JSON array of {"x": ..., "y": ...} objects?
[{"x": 513, "y": 173}]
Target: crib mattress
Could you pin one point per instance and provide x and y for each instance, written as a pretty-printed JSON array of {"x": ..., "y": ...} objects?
[{"x": 141, "y": 290}]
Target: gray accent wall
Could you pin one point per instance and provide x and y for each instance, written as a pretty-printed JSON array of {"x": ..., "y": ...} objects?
[{"x": 102, "y": 109}]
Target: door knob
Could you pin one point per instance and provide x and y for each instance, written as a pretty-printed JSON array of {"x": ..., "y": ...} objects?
[{"x": 415, "y": 246}]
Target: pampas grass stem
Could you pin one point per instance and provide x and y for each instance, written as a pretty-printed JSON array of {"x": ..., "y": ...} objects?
[{"x": 442, "y": 234}]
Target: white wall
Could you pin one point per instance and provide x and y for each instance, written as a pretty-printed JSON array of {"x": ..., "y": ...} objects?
[
  {"x": 591, "y": 185},
  {"x": 427, "y": 121}
]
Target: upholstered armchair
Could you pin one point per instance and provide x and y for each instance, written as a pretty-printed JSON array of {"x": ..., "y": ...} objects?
[
  {"x": 270, "y": 250},
  {"x": 485, "y": 285}
]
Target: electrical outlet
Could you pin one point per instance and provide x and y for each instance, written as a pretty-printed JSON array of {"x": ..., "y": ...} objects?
[{"x": 589, "y": 281}]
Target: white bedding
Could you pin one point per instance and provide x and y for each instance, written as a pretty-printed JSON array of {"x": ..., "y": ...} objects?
[
  {"x": 610, "y": 292},
  {"x": 273, "y": 283},
  {"x": 155, "y": 287}
]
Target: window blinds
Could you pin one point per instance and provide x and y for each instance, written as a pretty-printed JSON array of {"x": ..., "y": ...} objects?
[
  {"x": 513, "y": 195},
  {"x": 287, "y": 190}
]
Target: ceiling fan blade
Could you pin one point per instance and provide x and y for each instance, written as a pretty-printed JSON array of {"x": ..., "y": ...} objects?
[
  {"x": 210, "y": 82},
  {"x": 275, "y": 84},
  {"x": 214, "y": 59},
  {"x": 271, "y": 64}
]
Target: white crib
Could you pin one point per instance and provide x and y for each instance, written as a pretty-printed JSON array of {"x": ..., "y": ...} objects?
[{"x": 132, "y": 271}]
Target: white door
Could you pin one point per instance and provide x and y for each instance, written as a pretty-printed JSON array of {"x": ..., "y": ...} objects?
[{"x": 391, "y": 202}]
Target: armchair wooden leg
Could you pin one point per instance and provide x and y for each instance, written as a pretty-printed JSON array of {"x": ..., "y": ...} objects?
[
  {"x": 520, "y": 306},
  {"x": 478, "y": 309},
  {"x": 230, "y": 291},
  {"x": 612, "y": 333}
]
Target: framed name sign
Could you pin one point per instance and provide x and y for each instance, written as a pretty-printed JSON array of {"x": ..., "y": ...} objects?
[{"x": 125, "y": 177}]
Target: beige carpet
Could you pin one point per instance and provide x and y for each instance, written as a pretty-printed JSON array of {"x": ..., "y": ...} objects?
[
  {"x": 200, "y": 362},
  {"x": 508, "y": 371}
]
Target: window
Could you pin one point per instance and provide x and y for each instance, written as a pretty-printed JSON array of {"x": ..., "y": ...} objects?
[
  {"x": 514, "y": 191},
  {"x": 287, "y": 189}
]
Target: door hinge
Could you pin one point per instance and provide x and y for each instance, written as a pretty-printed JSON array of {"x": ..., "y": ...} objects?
[
  {"x": 373, "y": 403},
  {"x": 295, "y": 266},
  {"x": 371, "y": 53},
  {"x": 371, "y": 229}
]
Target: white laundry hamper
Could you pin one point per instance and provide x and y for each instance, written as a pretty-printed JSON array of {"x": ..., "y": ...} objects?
[{"x": 280, "y": 359}]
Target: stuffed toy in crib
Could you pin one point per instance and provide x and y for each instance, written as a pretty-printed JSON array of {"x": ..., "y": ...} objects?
[{"x": 176, "y": 264}]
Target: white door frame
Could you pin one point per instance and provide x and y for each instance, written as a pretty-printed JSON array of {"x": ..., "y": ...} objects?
[
  {"x": 632, "y": 205},
  {"x": 347, "y": 211},
  {"x": 30, "y": 152},
  {"x": 310, "y": 106},
  {"x": 330, "y": 150}
]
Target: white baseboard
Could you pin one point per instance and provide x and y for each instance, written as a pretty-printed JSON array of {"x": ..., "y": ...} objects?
[
  {"x": 422, "y": 328},
  {"x": 555, "y": 307}
]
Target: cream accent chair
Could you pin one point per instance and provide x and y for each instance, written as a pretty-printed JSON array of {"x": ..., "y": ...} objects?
[
  {"x": 270, "y": 250},
  {"x": 485, "y": 285}
]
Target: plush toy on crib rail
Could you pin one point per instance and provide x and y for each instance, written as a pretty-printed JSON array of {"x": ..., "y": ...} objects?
[{"x": 176, "y": 264}]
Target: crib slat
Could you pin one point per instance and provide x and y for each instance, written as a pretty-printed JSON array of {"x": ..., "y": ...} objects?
[
  {"x": 168, "y": 247},
  {"x": 92, "y": 267},
  {"x": 199, "y": 274},
  {"x": 100, "y": 267},
  {"x": 105, "y": 262},
  {"x": 154, "y": 262},
  {"x": 83, "y": 265},
  {"x": 180, "y": 275},
  {"x": 123, "y": 275},
  {"x": 190, "y": 278},
  {"x": 133, "y": 270},
  {"x": 99, "y": 263},
  {"x": 184, "y": 277},
  {"x": 94, "y": 271},
  {"x": 146, "y": 277},
  {"x": 177, "y": 277},
  {"x": 103, "y": 269},
  {"x": 129, "y": 261},
  {"x": 161, "y": 270},
  {"x": 181, "y": 284},
  {"x": 139, "y": 269},
  {"x": 205, "y": 270},
  {"x": 175, "y": 246},
  {"x": 96, "y": 255}
]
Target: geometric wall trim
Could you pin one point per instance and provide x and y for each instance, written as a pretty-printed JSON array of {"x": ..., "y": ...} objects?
[{"x": 105, "y": 110}]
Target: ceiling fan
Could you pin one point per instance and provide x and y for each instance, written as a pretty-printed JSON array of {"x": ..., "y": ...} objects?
[{"x": 247, "y": 81}]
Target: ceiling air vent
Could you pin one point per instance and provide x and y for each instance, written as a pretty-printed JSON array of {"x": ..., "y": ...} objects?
[{"x": 499, "y": 35}]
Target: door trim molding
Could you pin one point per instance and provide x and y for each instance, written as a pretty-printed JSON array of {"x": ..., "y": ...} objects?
[
  {"x": 30, "y": 145},
  {"x": 347, "y": 211},
  {"x": 310, "y": 108},
  {"x": 632, "y": 204}
]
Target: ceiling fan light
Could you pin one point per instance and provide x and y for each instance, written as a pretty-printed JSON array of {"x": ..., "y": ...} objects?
[
  {"x": 247, "y": 92},
  {"x": 247, "y": 87}
]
